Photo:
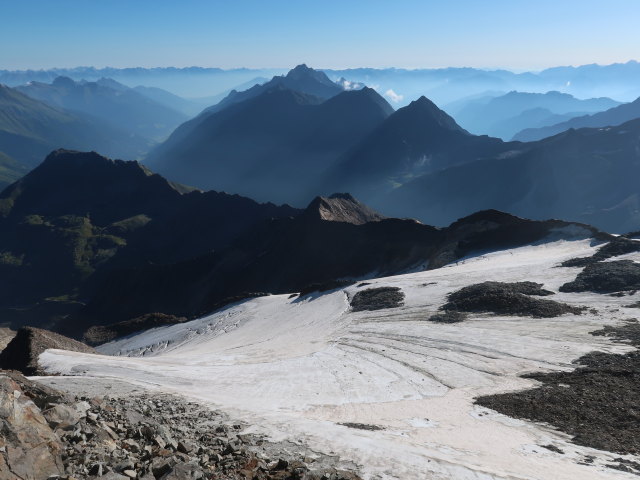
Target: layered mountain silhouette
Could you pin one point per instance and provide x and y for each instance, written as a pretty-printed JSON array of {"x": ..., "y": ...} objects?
[
  {"x": 415, "y": 140},
  {"x": 30, "y": 129},
  {"x": 612, "y": 117},
  {"x": 286, "y": 146},
  {"x": 163, "y": 97},
  {"x": 275, "y": 146},
  {"x": 505, "y": 115},
  {"x": 111, "y": 102},
  {"x": 79, "y": 214},
  {"x": 585, "y": 175}
]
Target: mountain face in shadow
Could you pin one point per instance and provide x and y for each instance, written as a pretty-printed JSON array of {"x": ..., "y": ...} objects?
[
  {"x": 286, "y": 146},
  {"x": 613, "y": 117},
  {"x": 111, "y": 102},
  {"x": 586, "y": 175},
  {"x": 415, "y": 140},
  {"x": 30, "y": 129},
  {"x": 275, "y": 146},
  {"x": 78, "y": 215},
  {"x": 505, "y": 115}
]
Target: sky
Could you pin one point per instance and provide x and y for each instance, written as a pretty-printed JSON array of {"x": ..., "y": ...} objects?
[{"x": 513, "y": 34}]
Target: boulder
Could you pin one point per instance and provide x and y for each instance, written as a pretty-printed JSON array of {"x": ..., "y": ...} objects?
[{"x": 29, "y": 449}]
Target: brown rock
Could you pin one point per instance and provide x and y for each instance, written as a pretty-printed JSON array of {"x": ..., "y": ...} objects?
[{"x": 32, "y": 450}]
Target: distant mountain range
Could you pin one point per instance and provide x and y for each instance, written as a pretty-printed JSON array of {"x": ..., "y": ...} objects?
[
  {"x": 504, "y": 116},
  {"x": 30, "y": 129},
  {"x": 442, "y": 85},
  {"x": 445, "y": 85},
  {"x": 611, "y": 117},
  {"x": 111, "y": 102}
]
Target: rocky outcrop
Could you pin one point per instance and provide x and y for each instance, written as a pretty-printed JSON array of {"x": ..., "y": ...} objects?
[
  {"x": 597, "y": 403},
  {"x": 508, "y": 299},
  {"x": 617, "y": 246},
  {"x": 23, "y": 351},
  {"x": 138, "y": 436},
  {"x": 29, "y": 449},
  {"x": 341, "y": 207},
  {"x": 606, "y": 277},
  {"x": 377, "y": 299}
]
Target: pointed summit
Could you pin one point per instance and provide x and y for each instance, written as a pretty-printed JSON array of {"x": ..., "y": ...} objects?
[
  {"x": 308, "y": 80},
  {"x": 301, "y": 79},
  {"x": 302, "y": 72},
  {"x": 341, "y": 207},
  {"x": 427, "y": 113}
]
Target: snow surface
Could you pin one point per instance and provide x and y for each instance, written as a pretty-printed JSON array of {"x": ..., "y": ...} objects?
[{"x": 296, "y": 368}]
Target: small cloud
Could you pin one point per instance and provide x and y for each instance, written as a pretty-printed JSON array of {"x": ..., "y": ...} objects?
[
  {"x": 393, "y": 96},
  {"x": 569, "y": 83}
]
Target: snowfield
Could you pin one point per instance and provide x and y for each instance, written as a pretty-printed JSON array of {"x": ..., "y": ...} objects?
[{"x": 297, "y": 368}]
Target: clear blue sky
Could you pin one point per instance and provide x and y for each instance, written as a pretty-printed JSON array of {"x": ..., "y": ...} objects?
[{"x": 514, "y": 34}]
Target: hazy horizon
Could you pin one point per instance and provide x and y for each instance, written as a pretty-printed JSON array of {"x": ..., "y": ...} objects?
[
  {"x": 412, "y": 34},
  {"x": 319, "y": 67}
]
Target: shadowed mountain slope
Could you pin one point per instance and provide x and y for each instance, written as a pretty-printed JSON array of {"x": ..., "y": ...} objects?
[
  {"x": 80, "y": 214},
  {"x": 586, "y": 175},
  {"x": 416, "y": 139}
]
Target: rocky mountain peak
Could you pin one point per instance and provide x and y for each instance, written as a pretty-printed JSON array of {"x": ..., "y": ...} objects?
[
  {"x": 341, "y": 207},
  {"x": 303, "y": 72},
  {"x": 424, "y": 110}
]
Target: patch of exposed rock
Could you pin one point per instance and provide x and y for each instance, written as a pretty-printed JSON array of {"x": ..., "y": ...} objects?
[
  {"x": 598, "y": 404},
  {"x": 377, "y": 299},
  {"x": 606, "y": 277},
  {"x": 22, "y": 352},
  {"x": 448, "y": 316},
  {"x": 507, "y": 299},
  {"x": 342, "y": 207},
  {"x": 139, "y": 436},
  {"x": 99, "y": 334},
  {"x": 324, "y": 286},
  {"x": 616, "y": 247}
]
